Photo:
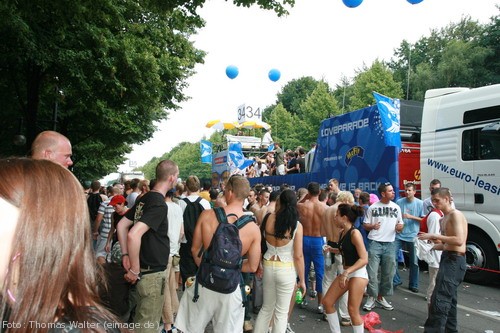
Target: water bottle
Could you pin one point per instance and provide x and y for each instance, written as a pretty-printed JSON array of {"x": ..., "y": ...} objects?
[{"x": 298, "y": 296}]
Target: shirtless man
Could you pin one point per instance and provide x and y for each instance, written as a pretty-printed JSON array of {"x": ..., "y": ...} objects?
[
  {"x": 311, "y": 213},
  {"x": 443, "y": 308},
  {"x": 225, "y": 309},
  {"x": 50, "y": 145}
]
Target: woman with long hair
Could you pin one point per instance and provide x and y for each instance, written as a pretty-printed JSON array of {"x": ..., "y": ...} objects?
[
  {"x": 51, "y": 279},
  {"x": 355, "y": 277},
  {"x": 283, "y": 263}
]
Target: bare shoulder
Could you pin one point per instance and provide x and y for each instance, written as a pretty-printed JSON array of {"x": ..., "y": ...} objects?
[
  {"x": 206, "y": 215},
  {"x": 251, "y": 228},
  {"x": 456, "y": 216}
]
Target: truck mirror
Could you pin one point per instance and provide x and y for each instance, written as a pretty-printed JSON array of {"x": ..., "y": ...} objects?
[{"x": 495, "y": 127}]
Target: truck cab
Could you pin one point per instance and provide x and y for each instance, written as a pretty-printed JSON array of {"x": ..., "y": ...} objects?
[{"x": 460, "y": 146}]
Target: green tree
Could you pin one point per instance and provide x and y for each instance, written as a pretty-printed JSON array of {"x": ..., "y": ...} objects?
[
  {"x": 295, "y": 92},
  {"x": 187, "y": 156},
  {"x": 110, "y": 68},
  {"x": 376, "y": 78},
  {"x": 460, "y": 54},
  {"x": 285, "y": 127},
  {"x": 317, "y": 107},
  {"x": 490, "y": 38}
]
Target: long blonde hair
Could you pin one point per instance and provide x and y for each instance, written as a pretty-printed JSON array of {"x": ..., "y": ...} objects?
[{"x": 53, "y": 274}]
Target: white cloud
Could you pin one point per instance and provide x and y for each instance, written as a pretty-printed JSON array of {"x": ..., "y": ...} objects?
[{"x": 320, "y": 38}]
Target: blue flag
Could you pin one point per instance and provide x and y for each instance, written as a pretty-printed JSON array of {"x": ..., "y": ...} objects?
[
  {"x": 270, "y": 147},
  {"x": 206, "y": 151},
  {"x": 388, "y": 109},
  {"x": 237, "y": 157}
]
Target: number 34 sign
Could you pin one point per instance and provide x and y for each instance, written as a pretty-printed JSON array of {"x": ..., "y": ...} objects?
[{"x": 247, "y": 112}]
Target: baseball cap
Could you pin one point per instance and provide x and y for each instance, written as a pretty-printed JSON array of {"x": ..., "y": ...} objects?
[{"x": 117, "y": 199}]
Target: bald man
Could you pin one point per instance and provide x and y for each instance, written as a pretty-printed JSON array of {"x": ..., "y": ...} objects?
[{"x": 50, "y": 145}]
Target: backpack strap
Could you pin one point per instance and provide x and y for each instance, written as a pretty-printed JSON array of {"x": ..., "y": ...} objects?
[
  {"x": 220, "y": 214},
  {"x": 244, "y": 220}
]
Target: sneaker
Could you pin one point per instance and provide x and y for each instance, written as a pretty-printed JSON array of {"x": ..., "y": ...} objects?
[
  {"x": 370, "y": 304},
  {"x": 320, "y": 309},
  {"x": 385, "y": 304},
  {"x": 413, "y": 289},
  {"x": 345, "y": 322},
  {"x": 247, "y": 326},
  {"x": 313, "y": 293},
  {"x": 289, "y": 329}
]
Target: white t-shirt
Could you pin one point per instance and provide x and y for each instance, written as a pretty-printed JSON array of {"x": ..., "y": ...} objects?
[
  {"x": 260, "y": 172},
  {"x": 267, "y": 139},
  {"x": 175, "y": 222},
  {"x": 434, "y": 227},
  {"x": 388, "y": 215},
  {"x": 192, "y": 198}
]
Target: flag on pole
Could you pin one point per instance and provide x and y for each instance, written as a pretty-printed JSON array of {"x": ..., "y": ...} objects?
[
  {"x": 388, "y": 109},
  {"x": 206, "y": 151},
  {"x": 237, "y": 157}
]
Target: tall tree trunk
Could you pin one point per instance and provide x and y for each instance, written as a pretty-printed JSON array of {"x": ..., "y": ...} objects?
[{"x": 34, "y": 78}]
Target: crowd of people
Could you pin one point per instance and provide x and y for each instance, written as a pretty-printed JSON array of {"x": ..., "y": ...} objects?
[
  {"x": 117, "y": 260},
  {"x": 277, "y": 161}
]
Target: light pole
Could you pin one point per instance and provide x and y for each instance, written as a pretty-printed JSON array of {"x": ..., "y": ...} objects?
[{"x": 408, "y": 76}]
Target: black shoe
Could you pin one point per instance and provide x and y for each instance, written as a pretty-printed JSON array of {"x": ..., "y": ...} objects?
[
  {"x": 397, "y": 284},
  {"x": 413, "y": 289}
]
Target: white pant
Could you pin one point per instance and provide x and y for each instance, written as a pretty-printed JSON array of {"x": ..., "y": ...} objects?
[
  {"x": 331, "y": 273},
  {"x": 279, "y": 282},
  {"x": 226, "y": 311}
]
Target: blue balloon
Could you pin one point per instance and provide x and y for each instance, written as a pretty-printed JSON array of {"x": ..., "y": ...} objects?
[
  {"x": 274, "y": 75},
  {"x": 232, "y": 71},
  {"x": 352, "y": 3},
  {"x": 414, "y": 2}
]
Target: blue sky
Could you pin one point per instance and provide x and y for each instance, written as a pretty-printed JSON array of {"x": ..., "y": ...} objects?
[{"x": 320, "y": 38}]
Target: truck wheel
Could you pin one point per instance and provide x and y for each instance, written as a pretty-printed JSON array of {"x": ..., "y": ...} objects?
[{"x": 480, "y": 254}]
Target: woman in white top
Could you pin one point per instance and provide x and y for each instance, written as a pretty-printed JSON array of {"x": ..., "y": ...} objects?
[{"x": 283, "y": 262}]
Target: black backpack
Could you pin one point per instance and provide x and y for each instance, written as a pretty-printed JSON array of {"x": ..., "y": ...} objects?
[
  {"x": 191, "y": 213},
  {"x": 220, "y": 267},
  {"x": 94, "y": 200},
  {"x": 190, "y": 216}
]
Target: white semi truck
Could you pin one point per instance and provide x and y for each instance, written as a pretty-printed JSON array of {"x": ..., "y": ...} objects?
[{"x": 460, "y": 146}]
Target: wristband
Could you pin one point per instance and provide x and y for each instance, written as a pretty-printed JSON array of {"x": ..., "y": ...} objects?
[
  {"x": 131, "y": 271},
  {"x": 124, "y": 255}
]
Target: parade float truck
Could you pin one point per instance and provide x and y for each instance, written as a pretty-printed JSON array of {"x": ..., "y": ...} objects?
[
  {"x": 364, "y": 148},
  {"x": 456, "y": 139}
]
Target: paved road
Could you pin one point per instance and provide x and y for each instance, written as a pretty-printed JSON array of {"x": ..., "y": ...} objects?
[{"x": 478, "y": 310}]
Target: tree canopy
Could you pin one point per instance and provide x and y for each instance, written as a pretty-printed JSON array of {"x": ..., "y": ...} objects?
[{"x": 100, "y": 72}]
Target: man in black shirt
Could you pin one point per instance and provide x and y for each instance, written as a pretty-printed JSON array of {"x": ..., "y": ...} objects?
[{"x": 145, "y": 247}]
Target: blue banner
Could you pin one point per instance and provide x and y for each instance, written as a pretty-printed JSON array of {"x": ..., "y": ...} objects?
[
  {"x": 352, "y": 149},
  {"x": 388, "y": 109},
  {"x": 236, "y": 156},
  {"x": 206, "y": 151}
]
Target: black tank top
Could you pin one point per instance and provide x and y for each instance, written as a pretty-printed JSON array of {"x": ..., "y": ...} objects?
[{"x": 347, "y": 248}]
